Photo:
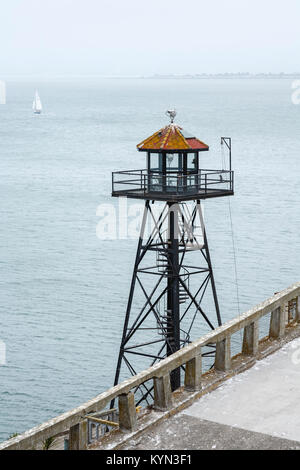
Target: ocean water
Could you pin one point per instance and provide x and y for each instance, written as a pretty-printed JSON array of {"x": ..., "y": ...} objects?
[{"x": 63, "y": 291}]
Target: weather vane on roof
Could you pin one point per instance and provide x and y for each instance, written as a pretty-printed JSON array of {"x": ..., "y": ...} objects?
[{"x": 171, "y": 113}]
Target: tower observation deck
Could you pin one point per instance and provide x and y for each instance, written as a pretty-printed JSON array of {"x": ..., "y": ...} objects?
[{"x": 172, "y": 170}]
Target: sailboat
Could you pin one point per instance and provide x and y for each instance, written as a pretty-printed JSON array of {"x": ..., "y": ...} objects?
[{"x": 37, "y": 104}]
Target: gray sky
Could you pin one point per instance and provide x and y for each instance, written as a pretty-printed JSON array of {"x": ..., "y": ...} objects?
[{"x": 136, "y": 37}]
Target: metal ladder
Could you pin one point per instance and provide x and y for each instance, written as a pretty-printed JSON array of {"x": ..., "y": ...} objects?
[
  {"x": 162, "y": 325},
  {"x": 183, "y": 295},
  {"x": 162, "y": 262}
]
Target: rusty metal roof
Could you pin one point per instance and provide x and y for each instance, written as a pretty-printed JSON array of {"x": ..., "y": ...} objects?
[{"x": 172, "y": 137}]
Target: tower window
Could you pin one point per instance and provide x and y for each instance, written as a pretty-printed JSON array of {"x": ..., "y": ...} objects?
[
  {"x": 192, "y": 162},
  {"x": 174, "y": 162},
  {"x": 156, "y": 162}
]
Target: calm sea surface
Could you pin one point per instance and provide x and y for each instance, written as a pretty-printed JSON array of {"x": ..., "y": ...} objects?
[{"x": 64, "y": 291}]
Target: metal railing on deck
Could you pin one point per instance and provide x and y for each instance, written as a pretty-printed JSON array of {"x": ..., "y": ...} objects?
[
  {"x": 285, "y": 312},
  {"x": 144, "y": 182}
]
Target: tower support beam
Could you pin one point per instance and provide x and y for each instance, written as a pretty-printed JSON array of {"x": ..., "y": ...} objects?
[
  {"x": 160, "y": 321},
  {"x": 173, "y": 313}
]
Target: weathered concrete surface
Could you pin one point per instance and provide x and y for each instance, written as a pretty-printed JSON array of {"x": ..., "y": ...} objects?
[
  {"x": 258, "y": 409},
  {"x": 263, "y": 399},
  {"x": 184, "y": 432}
]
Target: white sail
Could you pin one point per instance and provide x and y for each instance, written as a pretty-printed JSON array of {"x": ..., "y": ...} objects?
[{"x": 37, "y": 104}]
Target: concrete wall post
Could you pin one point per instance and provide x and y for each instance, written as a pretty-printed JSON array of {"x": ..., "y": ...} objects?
[
  {"x": 277, "y": 323},
  {"x": 193, "y": 374},
  {"x": 162, "y": 393},
  {"x": 223, "y": 355},
  {"x": 251, "y": 339},
  {"x": 127, "y": 412},
  {"x": 298, "y": 310},
  {"x": 79, "y": 436}
]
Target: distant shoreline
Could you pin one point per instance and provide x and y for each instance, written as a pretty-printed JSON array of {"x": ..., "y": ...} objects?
[
  {"x": 204, "y": 76},
  {"x": 212, "y": 76}
]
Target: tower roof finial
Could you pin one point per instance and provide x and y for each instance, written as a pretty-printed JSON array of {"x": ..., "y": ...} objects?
[{"x": 171, "y": 113}]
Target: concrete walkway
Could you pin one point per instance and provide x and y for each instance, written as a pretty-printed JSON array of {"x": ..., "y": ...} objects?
[{"x": 258, "y": 409}]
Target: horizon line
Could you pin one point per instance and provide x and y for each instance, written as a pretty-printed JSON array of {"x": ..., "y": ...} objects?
[{"x": 155, "y": 75}]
